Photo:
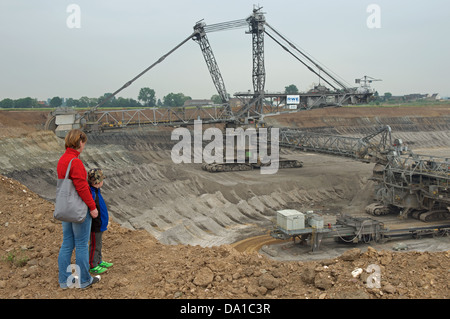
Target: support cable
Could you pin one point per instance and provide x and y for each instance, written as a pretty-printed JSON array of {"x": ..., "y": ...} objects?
[
  {"x": 356, "y": 236},
  {"x": 139, "y": 75},
  {"x": 301, "y": 61},
  {"x": 307, "y": 57},
  {"x": 226, "y": 26}
]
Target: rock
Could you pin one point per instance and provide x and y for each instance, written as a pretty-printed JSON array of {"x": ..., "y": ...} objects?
[
  {"x": 351, "y": 254},
  {"x": 386, "y": 259},
  {"x": 238, "y": 290},
  {"x": 21, "y": 284},
  {"x": 322, "y": 281},
  {"x": 328, "y": 262},
  {"x": 252, "y": 290},
  {"x": 400, "y": 246},
  {"x": 389, "y": 289},
  {"x": 262, "y": 290},
  {"x": 46, "y": 262},
  {"x": 308, "y": 275},
  {"x": 268, "y": 281},
  {"x": 357, "y": 272},
  {"x": 248, "y": 271},
  {"x": 277, "y": 273},
  {"x": 352, "y": 294},
  {"x": 204, "y": 277},
  {"x": 32, "y": 262},
  {"x": 178, "y": 294},
  {"x": 364, "y": 276}
]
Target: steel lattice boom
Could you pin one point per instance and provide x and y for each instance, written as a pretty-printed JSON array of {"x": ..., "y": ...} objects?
[
  {"x": 364, "y": 149},
  {"x": 202, "y": 40}
]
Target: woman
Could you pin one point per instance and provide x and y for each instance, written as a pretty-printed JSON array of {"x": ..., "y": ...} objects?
[{"x": 76, "y": 235}]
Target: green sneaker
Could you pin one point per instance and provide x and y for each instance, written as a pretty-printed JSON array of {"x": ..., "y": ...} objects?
[
  {"x": 105, "y": 264},
  {"x": 98, "y": 270}
]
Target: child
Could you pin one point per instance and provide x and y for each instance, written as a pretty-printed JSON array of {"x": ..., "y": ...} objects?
[{"x": 99, "y": 224}]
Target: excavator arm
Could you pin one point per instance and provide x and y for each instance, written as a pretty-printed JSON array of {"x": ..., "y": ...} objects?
[{"x": 366, "y": 149}]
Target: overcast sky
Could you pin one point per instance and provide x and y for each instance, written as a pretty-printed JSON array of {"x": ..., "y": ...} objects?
[{"x": 42, "y": 55}]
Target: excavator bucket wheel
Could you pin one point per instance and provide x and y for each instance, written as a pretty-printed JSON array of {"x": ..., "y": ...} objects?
[{"x": 50, "y": 124}]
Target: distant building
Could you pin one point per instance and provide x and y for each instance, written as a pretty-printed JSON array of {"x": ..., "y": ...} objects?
[
  {"x": 397, "y": 98},
  {"x": 414, "y": 97},
  {"x": 417, "y": 96},
  {"x": 433, "y": 97},
  {"x": 198, "y": 103}
]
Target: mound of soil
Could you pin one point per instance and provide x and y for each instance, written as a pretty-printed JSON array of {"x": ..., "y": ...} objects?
[{"x": 144, "y": 268}]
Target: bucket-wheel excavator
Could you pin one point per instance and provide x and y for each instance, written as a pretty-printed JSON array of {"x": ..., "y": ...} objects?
[{"x": 408, "y": 184}]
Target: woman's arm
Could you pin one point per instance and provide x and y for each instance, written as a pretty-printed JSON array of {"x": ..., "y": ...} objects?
[{"x": 79, "y": 178}]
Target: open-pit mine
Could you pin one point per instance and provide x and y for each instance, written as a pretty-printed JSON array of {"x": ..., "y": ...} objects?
[
  {"x": 178, "y": 231},
  {"x": 183, "y": 204}
]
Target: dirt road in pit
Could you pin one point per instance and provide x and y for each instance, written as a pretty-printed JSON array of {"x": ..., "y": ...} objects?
[{"x": 255, "y": 243}]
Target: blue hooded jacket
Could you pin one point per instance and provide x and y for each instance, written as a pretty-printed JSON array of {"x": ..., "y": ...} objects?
[{"x": 101, "y": 222}]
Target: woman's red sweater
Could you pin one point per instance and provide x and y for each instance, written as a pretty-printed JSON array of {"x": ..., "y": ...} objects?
[{"x": 77, "y": 174}]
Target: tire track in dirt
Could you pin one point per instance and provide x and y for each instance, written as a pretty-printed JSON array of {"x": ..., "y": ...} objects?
[{"x": 256, "y": 243}]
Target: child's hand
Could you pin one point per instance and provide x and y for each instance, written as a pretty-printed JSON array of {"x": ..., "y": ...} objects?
[{"x": 94, "y": 213}]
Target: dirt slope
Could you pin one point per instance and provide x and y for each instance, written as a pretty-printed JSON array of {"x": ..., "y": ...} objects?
[{"x": 143, "y": 268}]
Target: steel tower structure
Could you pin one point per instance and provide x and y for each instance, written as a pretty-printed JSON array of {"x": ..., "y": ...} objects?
[
  {"x": 256, "y": 24},
  {"x": 201, "y": 38}
]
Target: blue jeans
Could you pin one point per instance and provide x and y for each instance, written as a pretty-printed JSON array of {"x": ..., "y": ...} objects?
[{"x": 75, "y": 236}]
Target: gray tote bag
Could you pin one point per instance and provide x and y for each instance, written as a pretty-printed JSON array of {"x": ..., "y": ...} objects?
[{"x": 69, "y": 207}]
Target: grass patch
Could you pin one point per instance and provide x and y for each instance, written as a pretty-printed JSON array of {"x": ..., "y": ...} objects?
[{"x": 17, "y": 258}]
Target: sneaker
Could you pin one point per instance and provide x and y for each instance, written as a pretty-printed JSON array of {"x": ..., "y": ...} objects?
[
  {"x": 105, "y": 264},
  {"x": 98, "y": 270},
  {"x": 95, "y": 280}
]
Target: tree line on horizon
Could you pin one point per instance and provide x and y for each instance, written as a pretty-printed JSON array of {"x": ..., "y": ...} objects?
[{"x": 146, "y": 98}]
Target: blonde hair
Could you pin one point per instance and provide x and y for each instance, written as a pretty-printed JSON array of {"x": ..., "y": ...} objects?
[{"x": 74, "y": 137}]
